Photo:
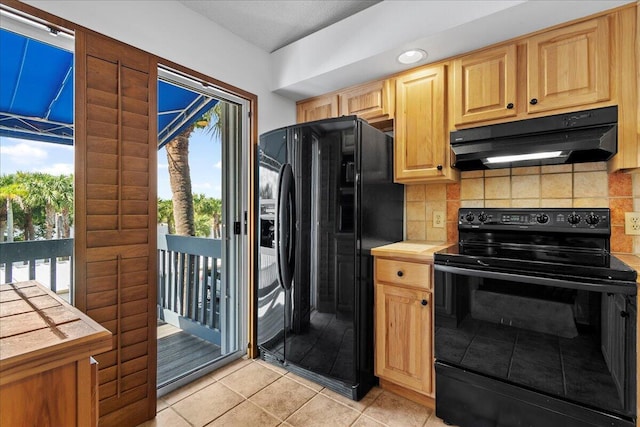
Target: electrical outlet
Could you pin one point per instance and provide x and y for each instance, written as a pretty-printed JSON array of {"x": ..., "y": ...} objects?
[
  {"x": 438, "y": 219},
  {"x": 632, "y": 223}
]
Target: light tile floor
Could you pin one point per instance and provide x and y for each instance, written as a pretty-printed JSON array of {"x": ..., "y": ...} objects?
[{"x": 254, "y": 393}]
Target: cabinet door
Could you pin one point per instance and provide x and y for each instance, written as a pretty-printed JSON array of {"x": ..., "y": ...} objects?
[
  {"x": 485, "y": 85},
  {"x": 323, "y": 107},
  {"x": 403, "y": 336},
  {"x": 372, "y": 101},
  {"x": 569, "y": 66},
  {"x": 420, "y": 126}
]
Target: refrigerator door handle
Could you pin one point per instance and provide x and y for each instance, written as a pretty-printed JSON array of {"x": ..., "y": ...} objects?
[{"x": 285, "y": 227}]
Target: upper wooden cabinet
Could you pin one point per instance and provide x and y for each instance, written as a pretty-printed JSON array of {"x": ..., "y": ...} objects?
[
  {"x": 420, "y": 127},
  {"x": 569, "y": 66},
  {"x": 484, "y": 85},
  {"x": 321, "y": 107},
  {"x": 372, "y": 101},
  {"x": 559, "y": 69}
]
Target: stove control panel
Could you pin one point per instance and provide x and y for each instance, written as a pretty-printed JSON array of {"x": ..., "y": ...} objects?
[{"x": 583, "y": 219}]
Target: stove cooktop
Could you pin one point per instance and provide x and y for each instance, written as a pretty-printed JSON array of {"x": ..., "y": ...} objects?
[{"x": 569, "y": 243}]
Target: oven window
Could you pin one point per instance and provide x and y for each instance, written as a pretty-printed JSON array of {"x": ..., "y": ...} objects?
[{"x": 573, "y": 344}]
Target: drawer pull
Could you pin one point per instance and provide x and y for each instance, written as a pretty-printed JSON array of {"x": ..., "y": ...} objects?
[
  {"x": 400, "y": 273},
  {"x": 424, "y": 302}
]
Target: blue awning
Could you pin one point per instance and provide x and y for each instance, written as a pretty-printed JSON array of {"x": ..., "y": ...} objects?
[{"x": 36, "y": 94}]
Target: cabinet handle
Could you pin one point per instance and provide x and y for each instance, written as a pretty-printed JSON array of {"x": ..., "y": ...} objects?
[
  {"x": 439, "y": 167},
  {"x": 533, "y": 101},
  {"x": 424, "y": 302},
  {"x": 510, "y": 106},
  {"x": 400, "y": 273}
]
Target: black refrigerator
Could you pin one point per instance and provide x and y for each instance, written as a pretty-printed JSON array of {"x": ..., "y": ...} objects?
[{"x": 326, "y": 197}]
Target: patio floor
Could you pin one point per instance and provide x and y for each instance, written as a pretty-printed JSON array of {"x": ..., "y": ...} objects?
[{"x": 180, "y": 352}]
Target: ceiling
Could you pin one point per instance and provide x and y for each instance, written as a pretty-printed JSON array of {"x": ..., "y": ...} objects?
[
  {"x": 272, "y": 24},
  {"x": 318, "y": 46}
]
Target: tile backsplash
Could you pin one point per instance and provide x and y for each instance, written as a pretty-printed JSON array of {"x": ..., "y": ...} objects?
[{"x": 559, "y": 186}]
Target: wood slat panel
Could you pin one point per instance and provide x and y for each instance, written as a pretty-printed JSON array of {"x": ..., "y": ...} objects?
[
  {"x": 96, "y": 144},
  {"x": 107, "y": 390},
  {"x": 130, "y": 135},
  {"x": 96, "y": 97},
  {"x": 135, "y": 207},
  {"x": 112, "y": 326},
  {"x": 134, "y": 279},
  {"x": 131, "y": 308},
  {"x": 102, "y": 268},
  {"x": 101, "y": 299},
  {"x": 104, "y": 314},
  {"x": 134, "y": 293},
  {"x": 102, "y": 114},
  {"x": 135, "y": 193},
  {"x": 136, "y": 321},
  {"x": 135, "y": 149},
  {"x": 135, "y": 106},
  {"x": 133, "y": 337},
  {"x": 135, "y": 164},
  {"x": 134, "y": 351},
  {"x": 103, "y": 160},
  {"x": 130, "y": 251},
  {"x": 102, "y": 192},
  {"x": 103, "y": 207},
  {"x": 106, "y": 359},
  {"x": 101, "y": 176},
  {"x": 103, "y": 283},
  {"x": 135, "y": 222},
  {"x": 114, "y": 403},
  {"x": 103, "y": 75},
  {"x": 108, "y": 374},
  {"x": 97, "y": 239},
  {"x": 134, "y": 380},
  {"x": 135, "y": 179},
  {"x": 134, "y": 365},
  {"x": 102, "y": 222},
  {"x": 137, "y": 121},
  {"x": 102, "y": 129}
]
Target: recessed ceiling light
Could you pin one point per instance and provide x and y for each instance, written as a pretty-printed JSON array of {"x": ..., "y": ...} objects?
[{"x": 412, "y": 56}]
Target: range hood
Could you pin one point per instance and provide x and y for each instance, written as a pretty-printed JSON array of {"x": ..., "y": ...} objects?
[{"x": 584, "y": 136}]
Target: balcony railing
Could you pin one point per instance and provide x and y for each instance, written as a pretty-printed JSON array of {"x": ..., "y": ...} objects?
[
  {"x": 41, "y": 260},
  {"x": 189, "y": 284}
]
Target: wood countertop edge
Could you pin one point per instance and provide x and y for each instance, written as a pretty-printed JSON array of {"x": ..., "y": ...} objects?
[
  {"x": 24, "y": 365},
  {"x": 47, "y": 357},
  {"x": 412, "y": 250}
]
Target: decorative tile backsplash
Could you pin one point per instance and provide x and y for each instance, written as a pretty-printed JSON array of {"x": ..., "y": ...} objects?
[{"x": 558, "y": 186}]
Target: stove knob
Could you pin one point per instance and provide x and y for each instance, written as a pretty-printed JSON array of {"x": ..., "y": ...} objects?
[
  {"x": 592, "y": 219},
  {"x": 482, "y": 217},
  {"x": 542, "y": 218},
  {"x": 470, "y": 217},
  {"x": 573, "y": 219}
]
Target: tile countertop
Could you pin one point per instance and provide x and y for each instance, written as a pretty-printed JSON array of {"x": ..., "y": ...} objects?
[{"x": 412, "y": 249}]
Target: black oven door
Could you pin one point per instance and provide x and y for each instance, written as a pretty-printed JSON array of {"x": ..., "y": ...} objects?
[{"x": 567, "y": 340}]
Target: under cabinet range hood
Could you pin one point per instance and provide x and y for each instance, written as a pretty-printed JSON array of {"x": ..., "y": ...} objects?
[{"x": 584, "y": 136}]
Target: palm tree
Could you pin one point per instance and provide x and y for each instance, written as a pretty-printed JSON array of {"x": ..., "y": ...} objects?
[
  {"x": 165, "y": 214},
  {"x": 12, "y": 192},
  {"x": 180, "y": 173}
]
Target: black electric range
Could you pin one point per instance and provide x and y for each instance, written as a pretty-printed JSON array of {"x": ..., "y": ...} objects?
[{"x": 535, "y": 321}]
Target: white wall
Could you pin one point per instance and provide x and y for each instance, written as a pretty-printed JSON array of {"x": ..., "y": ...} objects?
[{"x": 168, "y": 29}]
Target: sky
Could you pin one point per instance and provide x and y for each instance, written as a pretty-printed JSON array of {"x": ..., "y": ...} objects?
[{"x": 205, "y": 153}]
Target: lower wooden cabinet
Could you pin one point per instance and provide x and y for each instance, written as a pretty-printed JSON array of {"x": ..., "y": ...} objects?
[{"x": 404, "y": 324}]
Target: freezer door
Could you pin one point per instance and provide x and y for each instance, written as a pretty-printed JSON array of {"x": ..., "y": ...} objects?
[{"x": 270, "y": 295}]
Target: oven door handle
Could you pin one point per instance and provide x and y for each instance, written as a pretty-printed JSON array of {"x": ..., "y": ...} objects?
[{"x": 534, "y": 280}]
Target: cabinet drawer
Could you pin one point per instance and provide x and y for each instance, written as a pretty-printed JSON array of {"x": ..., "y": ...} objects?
[{"x": 403, "y": 273}]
